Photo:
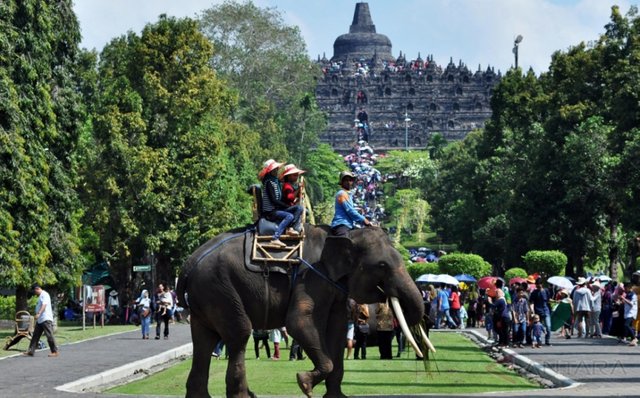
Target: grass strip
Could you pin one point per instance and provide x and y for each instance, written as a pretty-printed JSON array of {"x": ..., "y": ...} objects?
[{"x": 460, "y": 367}]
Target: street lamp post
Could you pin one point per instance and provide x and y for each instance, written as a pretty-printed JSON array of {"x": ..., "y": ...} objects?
[
  {"x": 406, "y": 130},
  {"x": 516, "y": 42}
]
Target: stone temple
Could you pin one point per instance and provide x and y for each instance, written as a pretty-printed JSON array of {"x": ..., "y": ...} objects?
[{"x": 406, "y": 100}]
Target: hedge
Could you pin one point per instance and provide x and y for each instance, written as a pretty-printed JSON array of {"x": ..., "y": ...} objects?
[
  {"x": 461, "y": 263},
  {"x": 546, "y": 262},
  {"x": 417, "y": 269},
  {"x": 515, "y": 273}
]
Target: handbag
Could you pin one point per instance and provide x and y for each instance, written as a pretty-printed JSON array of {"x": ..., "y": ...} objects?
[
  {"x": 145, "y": 312},
  {"x": 363, "y": 328}
]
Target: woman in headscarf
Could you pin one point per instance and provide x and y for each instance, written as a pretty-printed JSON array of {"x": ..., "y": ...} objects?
[{"x": 143, "y": 304}]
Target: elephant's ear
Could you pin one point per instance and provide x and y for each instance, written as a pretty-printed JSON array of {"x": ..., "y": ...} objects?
[{"x": 337, "y": 256}]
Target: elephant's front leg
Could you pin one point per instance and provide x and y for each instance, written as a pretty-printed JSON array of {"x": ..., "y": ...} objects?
[
  {"x": 307, "y": 323},
  {"x": 336, "y": 338}
]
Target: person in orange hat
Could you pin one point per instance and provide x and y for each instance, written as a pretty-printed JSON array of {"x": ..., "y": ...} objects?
[
  {"x": 291, "y": 195},
  {"x": 272, "y": 204}
]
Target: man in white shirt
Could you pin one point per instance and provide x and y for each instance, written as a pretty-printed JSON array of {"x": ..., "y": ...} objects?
[{"x": 44, "y": 322}]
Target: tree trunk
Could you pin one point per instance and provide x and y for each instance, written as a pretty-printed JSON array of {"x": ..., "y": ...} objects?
[
  {"x": 634, "y": 251},
  {"x": 579, "y": 265},
  {"x": 614, "y": 250},
  {"x": 21, "y": 299},
  {"x": 569, "y": 269}
]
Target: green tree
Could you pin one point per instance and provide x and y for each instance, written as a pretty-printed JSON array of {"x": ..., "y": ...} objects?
[
  {"x": 41, "y": 114},
  {"x": 412, "y": 169},
  {"x": 171, "y": 166},
  {"x": 463, "y": 263},
  {"x": 265, "y": 61},
  {"x": 323, "y": 167}
]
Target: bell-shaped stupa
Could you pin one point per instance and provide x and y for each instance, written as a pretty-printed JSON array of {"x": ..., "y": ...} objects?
[{"x": 362, "y": 42}]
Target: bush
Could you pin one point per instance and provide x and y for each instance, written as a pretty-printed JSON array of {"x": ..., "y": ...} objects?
[
  {"x": 460, "y": 263},
  {"x": 417, "y": 269},
  {"x": 8, "y": 306},
  {"x": 546, "y": 262},
  {"x": 514, "y": 273}
]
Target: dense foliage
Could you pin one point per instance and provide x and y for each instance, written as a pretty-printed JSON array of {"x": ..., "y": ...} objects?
[
  {"x": 170, "y": 165},
  {"x": 265, "y": 62},
  {"x": 417, "y": 269},
  {"x": 555, "y": 168},
  {"x": 41, "y": 114},
  {"x": 463, "y": 263},
  {"x": 546, "y": 262},
  {"x": 515, "y": 272}
]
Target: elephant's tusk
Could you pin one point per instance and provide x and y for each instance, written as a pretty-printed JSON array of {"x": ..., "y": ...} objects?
[
  {"x": 426, "y": 340},
  {"x": 403, "y": 325}
]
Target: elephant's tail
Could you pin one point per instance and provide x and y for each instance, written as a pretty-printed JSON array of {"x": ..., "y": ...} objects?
[{"x": 181, "y": 287}]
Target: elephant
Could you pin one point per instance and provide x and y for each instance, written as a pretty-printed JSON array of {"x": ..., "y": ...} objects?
[{"x": 227, "y": 301}]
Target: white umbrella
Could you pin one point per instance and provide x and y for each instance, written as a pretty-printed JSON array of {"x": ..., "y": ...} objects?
[
  {"x": 561, "y": 282},
  {"x": 603, "y": 278},
  {"x": 448, "y": 279},
  {"x": 428, "y": 278}
]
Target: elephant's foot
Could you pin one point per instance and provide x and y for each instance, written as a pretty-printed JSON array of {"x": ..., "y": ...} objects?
[
  {"x": 305, "y": 382},
  {"x": 334, "y": 395}
]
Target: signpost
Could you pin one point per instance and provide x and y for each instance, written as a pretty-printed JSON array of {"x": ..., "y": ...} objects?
[{"x": 142, "y": 268}]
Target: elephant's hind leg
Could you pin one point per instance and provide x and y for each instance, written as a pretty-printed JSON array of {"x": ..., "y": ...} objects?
[{"x": 204, "y": 342}]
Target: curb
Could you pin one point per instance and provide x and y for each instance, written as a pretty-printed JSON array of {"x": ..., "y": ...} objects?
[
  {"x": 137, "y": 369},
  {"x": 558, "y": 380}
]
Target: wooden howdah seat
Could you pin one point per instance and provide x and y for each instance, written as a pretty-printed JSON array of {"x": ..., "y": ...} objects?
[{"x": 262, "y": 250}]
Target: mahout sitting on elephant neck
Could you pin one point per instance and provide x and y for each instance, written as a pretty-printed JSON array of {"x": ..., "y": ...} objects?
[{"x": 226, "y": 301}]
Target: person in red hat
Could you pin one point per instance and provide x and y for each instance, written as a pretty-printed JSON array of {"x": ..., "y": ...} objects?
[
  {"x": 273, "y": 208},
  {"x": 291, "y": 196}
]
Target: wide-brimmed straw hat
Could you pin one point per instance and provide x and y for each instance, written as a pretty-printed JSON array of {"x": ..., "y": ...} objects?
[
  {"x": 113, "y": 293},
  {"x": 581, "y": 281},
  {"x": 290, "y": 169},
  {"x": 268, "y": 167}
]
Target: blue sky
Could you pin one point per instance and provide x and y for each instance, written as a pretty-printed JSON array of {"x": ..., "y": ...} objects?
[{"x": 478, "y": 32}]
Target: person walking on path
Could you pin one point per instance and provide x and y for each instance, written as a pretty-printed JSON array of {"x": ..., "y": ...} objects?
[
  {"x": 443, "y": 309},
  {"x": 44, "y": 322},
  {"x": 583, "y": 304},
  {"x": 539, "y": 303},
  {"x": 143, "y": 303},
  {"x": 164, "y": 302},
  {"x": 630, "y": 300},
  {"x": 520, "y": 318},
  {"x": 594, "y": 316}
]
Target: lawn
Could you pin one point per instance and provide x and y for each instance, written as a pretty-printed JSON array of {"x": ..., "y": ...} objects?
[
  {"x": 460, "y": 367},
  {"x": 65, "y": 334}
]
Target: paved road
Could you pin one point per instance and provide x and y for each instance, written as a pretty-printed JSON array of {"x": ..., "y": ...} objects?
[
  {"x": 37, "y": 376},
  {"x": 605, "y": 367}
]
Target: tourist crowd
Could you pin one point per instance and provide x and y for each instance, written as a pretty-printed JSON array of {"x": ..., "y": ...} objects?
[{"x": 527, "y": 313}]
